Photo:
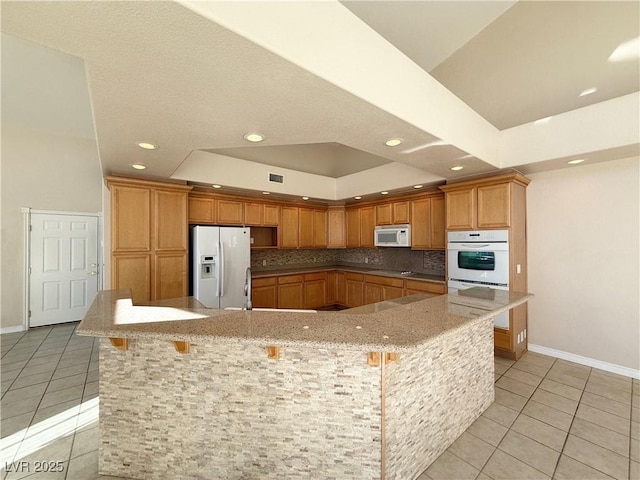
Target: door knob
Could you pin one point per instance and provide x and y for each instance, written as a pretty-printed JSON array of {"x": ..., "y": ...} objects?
[
  {"x": 93, "y": 265},
  {"x": 93, "y": 273}
]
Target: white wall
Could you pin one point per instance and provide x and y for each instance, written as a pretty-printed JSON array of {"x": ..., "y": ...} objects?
[
  {"x": 584, "y": 243},
  {"x": 49, "y": 152}
]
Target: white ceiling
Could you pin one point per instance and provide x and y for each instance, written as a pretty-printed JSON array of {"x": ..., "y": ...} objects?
[{"x": 191, "y": 79}]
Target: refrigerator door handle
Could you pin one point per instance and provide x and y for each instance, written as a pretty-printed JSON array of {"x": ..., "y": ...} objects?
[{"x": 220, "y": 269}]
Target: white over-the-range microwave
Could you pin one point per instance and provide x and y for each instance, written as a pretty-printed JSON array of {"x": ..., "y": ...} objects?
[{"x": 392, "y": 236}]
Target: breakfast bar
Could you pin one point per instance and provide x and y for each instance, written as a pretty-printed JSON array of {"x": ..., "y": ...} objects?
[{"x": 378, "y": 391}]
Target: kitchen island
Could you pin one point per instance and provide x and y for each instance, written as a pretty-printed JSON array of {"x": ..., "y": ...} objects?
[{"x": 379, "y": 391}]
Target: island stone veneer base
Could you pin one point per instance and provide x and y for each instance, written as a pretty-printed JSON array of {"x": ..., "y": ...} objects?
[
  {"x": 226, "y": 411},
  {"x": 432, "y": 395}
]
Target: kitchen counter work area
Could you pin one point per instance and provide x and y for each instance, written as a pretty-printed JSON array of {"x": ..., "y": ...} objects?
[
  {"x": 378, "y": 391},
  {"x": 263, "y": 272},
  {"x": 398, "y": 324}
]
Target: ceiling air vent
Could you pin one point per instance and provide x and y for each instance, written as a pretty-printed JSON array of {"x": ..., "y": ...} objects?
[{"x": 275, "y": 178}]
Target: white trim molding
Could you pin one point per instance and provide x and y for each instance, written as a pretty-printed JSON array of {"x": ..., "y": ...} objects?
[
  {"x": 13, "y": 329},
  {"x": 589, "y": 362}
]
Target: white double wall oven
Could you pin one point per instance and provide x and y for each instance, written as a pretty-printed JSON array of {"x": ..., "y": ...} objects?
[{"x": 479, "y": 258}]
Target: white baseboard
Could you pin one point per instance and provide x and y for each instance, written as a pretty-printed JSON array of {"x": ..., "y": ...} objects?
[
  {"x": 15, "y": 328},
  {"x": 589, "y": 362}
]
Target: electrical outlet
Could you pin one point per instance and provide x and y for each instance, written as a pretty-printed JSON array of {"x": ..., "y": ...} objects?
[
  {"x": 264, "y": 263},
  {"x": 518, "y": 268},
  {"x": 366, "y": 259}
]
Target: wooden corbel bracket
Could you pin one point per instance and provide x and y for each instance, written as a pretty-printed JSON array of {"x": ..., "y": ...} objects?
[
  {"x": 181, "y": 346},
  {"x": 120, "y": 343}
]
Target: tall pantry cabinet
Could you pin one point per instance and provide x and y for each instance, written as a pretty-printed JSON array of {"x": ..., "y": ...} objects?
[{"x": 149, "y": 238}]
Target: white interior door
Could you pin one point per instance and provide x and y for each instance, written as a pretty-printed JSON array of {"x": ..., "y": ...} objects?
[{"x": 64, "y": 273}]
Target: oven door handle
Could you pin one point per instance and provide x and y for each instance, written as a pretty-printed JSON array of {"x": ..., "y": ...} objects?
[{"x": 475, "y": 245}]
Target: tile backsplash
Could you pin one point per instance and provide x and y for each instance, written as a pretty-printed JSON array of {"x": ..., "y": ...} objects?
[{"x": 398, "y": 259}]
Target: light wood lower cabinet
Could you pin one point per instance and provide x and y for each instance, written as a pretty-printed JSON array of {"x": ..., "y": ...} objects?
[
  {"x": 264, "y": 292},
  {"x": 291, "y": 291},
  {"x": 132, "y": 270},
  {"x": 378, "y": 289},
  {"x": 315, "y": 290},
  {"x": 355, "y": 289},
  {"x": 322, "y": 289}
]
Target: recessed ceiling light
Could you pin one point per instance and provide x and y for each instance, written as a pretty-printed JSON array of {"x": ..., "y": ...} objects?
[
  {"x": 147, "y": 146},
  {"x": 305, "y": 198},
  {"x": 626, "y": 51},
  {"x": 384, "y": 193},
  {"x": 254, "y": 137},
  {"x": 138, "y": 166},
  {"x": 266, "y": 193},
  {"x": 417, "y": 186},
  {"x": 357, "y": 198},
  {"x": 588, "y": 91},
  {"x": 393, "y": 142},
  {"x": 457, "y": 168},
  {"x": 216, "y": 186},
  {"x": 576, "y": 161}
]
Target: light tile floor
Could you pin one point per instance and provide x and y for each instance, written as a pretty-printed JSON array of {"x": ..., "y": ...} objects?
[{"x": 551, "y": 418}]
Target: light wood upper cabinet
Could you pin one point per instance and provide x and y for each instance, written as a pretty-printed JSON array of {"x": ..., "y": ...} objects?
[
  {"x": 288, "y": 228},
  {"x": 394, "y": 213},
  {"x": 202, "y": 210},
  {"x": 229, "y": 212},
  {"x": 367, "y": 226},
  {"x": 461, "y": 209},
  {"x": 483, "y": 203},
  {"x": 271, "y": 215},
  {"x": 336, "y": 228},
  {"x": 261, "y": 214},
  {"x": 130, "y": 218},
  {"x": 305, "y": 228},
  {"x": 169, "y": 214},
  {"x": 353, "y": 228},
  {"x": 384, "y": 214},
  {"x": 427, "y": 223},
  {"x": 320, "y": 228},
  {"x": 494, "y": 206}
]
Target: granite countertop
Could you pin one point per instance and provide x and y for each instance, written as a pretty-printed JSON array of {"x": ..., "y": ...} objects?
[
  {"x": 262, "y": 272},
  {"x": 393, "y": 325}
]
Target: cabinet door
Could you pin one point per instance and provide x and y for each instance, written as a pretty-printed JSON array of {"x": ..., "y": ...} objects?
[
  {"x": 336, "y": 228},
  {"x": 170, "y": 275},
  {"x": 170, "y": 220},
  {"x": 384, "y": 215},
  {"x": 229, "y": 212},
  {"x": 353, "y": 228},
  {"x": 355, "y": 289},
  {"x": 400, "y": 213},
  {"x": 332, "y": 288},
  {"x": 131, "y": 219},
  {"x": 291, "y": 291},
  {"x": 253, "y": 214},
  {"x": 132, "y": 271},
  {"x": 264, "y": 293},
  {"x": 320, "y": 229},
  {"x": 288, "y": 227},
  {"x": 367, "y": 225},
  {"x": 437, "y": 224},
  {"x": 461, "y": 208},
  {"x": 421, "y": 224},
  {"x": 373, "y": 293},
  {"x": 271, "y": 215},
  {"x": 494, "y": 203},
  {"x": 315, "y": 290},
  {"x": 201, "y": 210},
  {"x": 305, "y": 219},
  {"x": 341, "y": 288}
]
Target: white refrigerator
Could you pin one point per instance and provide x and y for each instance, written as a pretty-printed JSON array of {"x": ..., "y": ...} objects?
[{"x": 221, "y": 258}]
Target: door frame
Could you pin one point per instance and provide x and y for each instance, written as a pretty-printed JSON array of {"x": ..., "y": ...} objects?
[{"x": 26, "y": 222}]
